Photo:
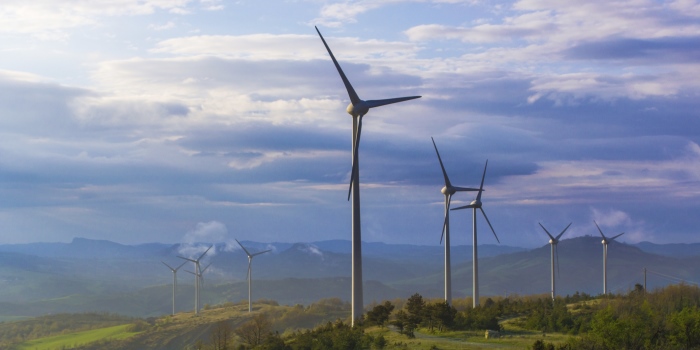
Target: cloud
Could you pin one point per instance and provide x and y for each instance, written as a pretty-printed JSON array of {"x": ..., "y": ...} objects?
[
  {"x": 283, "y": 47},
  {"x": 196, "y": 241},
  {"x": 337, "y": 14},
  {"x": 49, "y": 19}
]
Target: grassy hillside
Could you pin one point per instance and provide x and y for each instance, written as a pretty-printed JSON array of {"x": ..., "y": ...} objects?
[{"x": 65, "y": 341}]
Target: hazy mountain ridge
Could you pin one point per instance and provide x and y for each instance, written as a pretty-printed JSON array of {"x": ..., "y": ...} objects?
[{"x": 108, "y": 276}]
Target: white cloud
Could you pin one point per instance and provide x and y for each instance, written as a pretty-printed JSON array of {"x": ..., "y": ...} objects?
[
  {"x": 283, "y": 47},
  {"x": 49, "y": 19},
  {"x": 164, "y": 26},
  {"x": 338, "y": 13}
]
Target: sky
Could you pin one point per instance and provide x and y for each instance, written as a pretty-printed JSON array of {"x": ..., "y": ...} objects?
[{"x": 181, "y": 120}]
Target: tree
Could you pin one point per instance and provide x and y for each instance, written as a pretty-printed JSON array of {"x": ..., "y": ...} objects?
[
  {"x": 379, "y": 314},
  {"x": 221, "y": 336},
  {"x": 684, "y": 328},
  {"x": 401, "y": 320},
  {"x": 444, "y": 315},
  {"x": 255, "y": 331},
  {"x": 414, "y": 307}
]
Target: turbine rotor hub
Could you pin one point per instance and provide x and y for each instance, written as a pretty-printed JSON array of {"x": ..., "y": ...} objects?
[
  {"x": 448, "y": 190},
  {"x": 551, "y": 241},
  {"x": 475, "y": 204},
  {"x": 357, "y": 110},
  {"x": 604, "y": 242}
]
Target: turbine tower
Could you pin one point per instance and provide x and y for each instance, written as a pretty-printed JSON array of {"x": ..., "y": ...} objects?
[
  {"x": 357, "y": 109},
  {"x": 174, "y": 270},
  {"x": 249, "y": 276},
  {"x": 553, "y": 241},
  {"x": 196, "y": 278},
  {"x": 605, "y": 256},
  {"x": 448, "y": 191},
  {"x": 476, "y": 204}
]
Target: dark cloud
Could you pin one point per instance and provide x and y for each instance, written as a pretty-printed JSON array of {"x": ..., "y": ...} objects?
[{"x": 665, "y": 50}]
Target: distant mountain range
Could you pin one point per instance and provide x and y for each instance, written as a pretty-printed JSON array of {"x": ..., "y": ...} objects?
[{"x": 98, "y": 275}]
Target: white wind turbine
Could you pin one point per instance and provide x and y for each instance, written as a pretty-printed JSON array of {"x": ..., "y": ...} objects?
[
  {"x": 476, "y": 204},
  {"x": 357, "y": 109},
  {"x": 605, "y": 256},
  {"x": 249, "y": 276},
  {"x": 553, "y": 241},
  {"x": 196, "y": 278},
  {"x": 174, "y": 270},
  {"x": 200, "y": 283},
  {"x": 448, "y": 191}
]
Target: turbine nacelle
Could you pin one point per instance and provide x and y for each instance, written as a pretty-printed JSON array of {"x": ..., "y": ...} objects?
[
  {"x": 552, "y": 241},
  {"x": 357, "y": 110},
  {"x": 448, "y": 190},
  {"x": 475, "y": 204},
  {"x": 604, "y": 241}
]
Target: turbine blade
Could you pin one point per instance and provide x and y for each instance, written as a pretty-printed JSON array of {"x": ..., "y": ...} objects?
[
  {"x": 205, "y": 252},
  {"x": 444, "y": 222},
  {"x": 245, "y": 250},
  {"x": 599, "y": 230},
  {"x": 613, "y": 238},
  {"x": 201, "y": 272},
  {"x": 355, "y": 152},
  {"x": 547, "y": 232},
  {"x": 463, "y": 207},
  {"x": 351, "y": 92},
  {"x": 464, "y": 189},
  {"x": 188, "y": 259},
  {"x": 444, "y": 173},
  {"x": 489, "y": 222},
  {"x": 481, "y": 188},
  {"x": 388, "y": 101},
  {"x": 263, "y": 252},
  {"x": 172, "y": 269},
  {"x": 562, "y": 232}
]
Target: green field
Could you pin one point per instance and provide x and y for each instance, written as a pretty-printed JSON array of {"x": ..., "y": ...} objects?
[{"x": 79, "y": 338}]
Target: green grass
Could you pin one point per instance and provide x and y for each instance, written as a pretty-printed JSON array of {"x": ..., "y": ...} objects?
[
  {"x": 513, "y": 337},
  {"x": 78, "y": 338}
]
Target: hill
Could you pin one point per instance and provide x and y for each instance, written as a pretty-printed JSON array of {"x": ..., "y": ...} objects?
[{"x": 132, "y": 281}]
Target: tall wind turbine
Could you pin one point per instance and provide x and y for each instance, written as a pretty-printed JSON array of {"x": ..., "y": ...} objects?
[
  {"x": 553, "y": 241},
  {"x": 476, "y": 204},
  {"x": 357, "y": 109},
  {"x": 249, "y": 277},
  {"x": 196, "y": 278},
  {"x": 605, "y": 256},
  {"x": 174, "y": 270},
  {"x": 448, "y": 191}
]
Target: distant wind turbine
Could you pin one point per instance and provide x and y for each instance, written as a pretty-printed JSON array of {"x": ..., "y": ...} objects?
[
  {"x": 605, "y": 256},
  {"x": 357, "y": 109},
  {"x": 174, "y": 270},
  {"x": 553, "y": 241},
  {"x": 249, "y": 276},
  {"x": 196, "y": 278},
  {"x": 448, "y": 191},
  {"x": 476, "y": 204}
]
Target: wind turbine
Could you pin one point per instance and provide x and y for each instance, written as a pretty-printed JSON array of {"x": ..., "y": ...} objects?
[
  {"x": 249, "y": 276},
  {"x": 357, "y": 109},
  {"x": 553, "y": 241},
  {"x": 174, "y": 270},
  {"x": 196, "y": 278},
  {"x": 476, "y": 204},
  {"x": 605, "y": 256},
  {"x": 448, "y": 191}
]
